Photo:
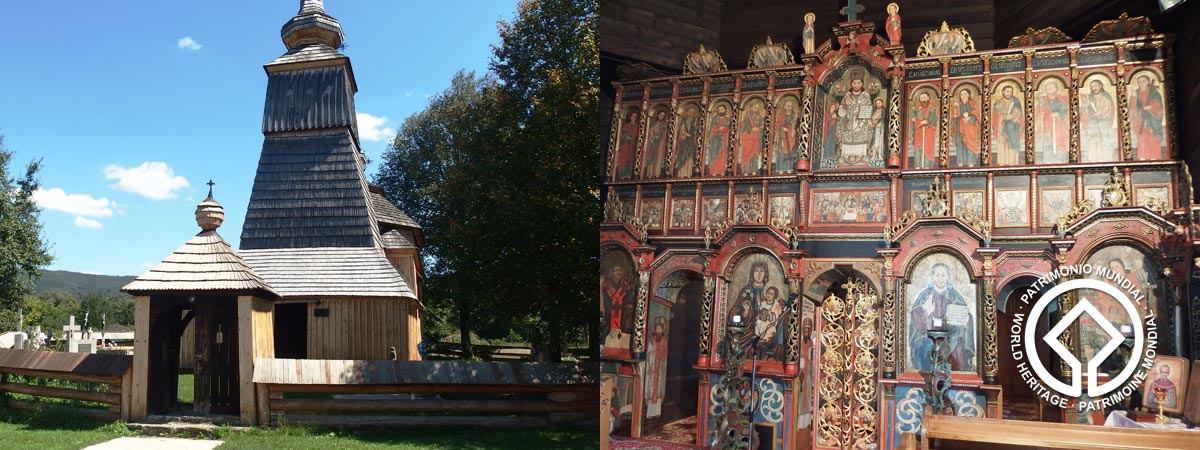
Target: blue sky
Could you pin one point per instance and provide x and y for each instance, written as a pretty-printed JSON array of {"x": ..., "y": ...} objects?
[{"x": 135, "y": 105}]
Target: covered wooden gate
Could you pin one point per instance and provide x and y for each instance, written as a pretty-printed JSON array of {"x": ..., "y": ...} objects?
[{"x": 217, "y": 357}]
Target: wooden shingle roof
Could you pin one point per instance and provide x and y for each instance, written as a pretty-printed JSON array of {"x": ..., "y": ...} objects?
[
  {"x": 398, "y": 238},
  {"x": 328, "y": 272},
  {"x": 387, "y": 213},
  {"x": 205, "y": 263},
  {"x": 309, "y": 192}
]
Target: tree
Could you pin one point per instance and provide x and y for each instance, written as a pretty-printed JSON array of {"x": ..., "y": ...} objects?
[
  {"x": 22, "y": 251},
  {"x": 500, "y": 172}
]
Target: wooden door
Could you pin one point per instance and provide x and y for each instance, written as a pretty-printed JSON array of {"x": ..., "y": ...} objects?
[{"x": 216, "y": 357}]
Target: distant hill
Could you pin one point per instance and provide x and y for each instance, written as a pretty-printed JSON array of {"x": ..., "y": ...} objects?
[{"x": 81, "y": 283}]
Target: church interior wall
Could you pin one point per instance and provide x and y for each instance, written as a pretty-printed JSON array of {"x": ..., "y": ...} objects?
[{"x": 728, "y": 173}]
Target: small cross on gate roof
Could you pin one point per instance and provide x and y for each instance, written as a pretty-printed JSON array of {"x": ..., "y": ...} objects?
[{"x": 851, "y": 10}]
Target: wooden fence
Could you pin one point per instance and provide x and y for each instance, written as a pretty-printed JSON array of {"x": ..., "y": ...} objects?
[
  {"x": 443, "y": 351},
  {"x": 112, "y": 372},
  {"x": 400, "y": 393}
]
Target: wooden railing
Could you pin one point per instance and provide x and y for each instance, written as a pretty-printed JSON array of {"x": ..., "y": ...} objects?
[
  {"x": 408, "y": 393},
  {"x": 951, "y": 429},
  {"x": 104, "y": 379}
]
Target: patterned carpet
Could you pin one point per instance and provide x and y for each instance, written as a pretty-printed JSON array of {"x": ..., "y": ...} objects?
[
  {"x": 677, "y": 435},
  {"x": 625, "y": 443}
]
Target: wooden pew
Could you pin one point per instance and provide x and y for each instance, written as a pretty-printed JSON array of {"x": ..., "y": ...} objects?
[{"x": 1045, "y": 435}]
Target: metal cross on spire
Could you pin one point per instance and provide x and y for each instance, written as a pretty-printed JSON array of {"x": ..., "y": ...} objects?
[
  {"x": 851, "y": 10},
  {"x": 210, "y": 185}
]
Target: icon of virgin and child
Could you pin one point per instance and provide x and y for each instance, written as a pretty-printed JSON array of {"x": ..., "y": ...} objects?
[
  {"x": 760, "y": 304},
  {"x": 941, "y": 299}
]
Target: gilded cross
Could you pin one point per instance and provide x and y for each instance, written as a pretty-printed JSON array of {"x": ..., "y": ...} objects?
[{"x": 851, "y": 10}]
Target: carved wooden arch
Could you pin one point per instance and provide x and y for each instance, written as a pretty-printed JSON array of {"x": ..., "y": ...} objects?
[
  {"x": 973, "y": 266},
  {"x": 620, "y": 234},
  {"x": 874, "y": 282},
  {"x": 950, "y": 232},
  {"x": 1011, "y": 284},
  {"x": 754, "y": 234},
  {"x": 1105, "y": 224}
]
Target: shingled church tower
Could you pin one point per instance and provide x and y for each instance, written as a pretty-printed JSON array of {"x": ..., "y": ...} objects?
[{"x": 343, "y": 259}]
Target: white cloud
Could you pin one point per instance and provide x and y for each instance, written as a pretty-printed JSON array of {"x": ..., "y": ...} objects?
[
  {"x": 187, "y": 43},
  {"x": 409, "y": 93},
  {"x": 371, "y": 128},
  {"x": 84, "y": 222},
  {"x": 154, "y": 180},
  {"x": 78, "y": 204}
]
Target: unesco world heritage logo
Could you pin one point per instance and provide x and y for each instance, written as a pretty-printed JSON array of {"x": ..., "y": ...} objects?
[{"x": 1141, "y": 331}]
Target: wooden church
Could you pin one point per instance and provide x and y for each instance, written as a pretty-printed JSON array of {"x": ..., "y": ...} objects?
[
  {"x": 328, "y": 268},
  {"x": 825, "y": 243}
]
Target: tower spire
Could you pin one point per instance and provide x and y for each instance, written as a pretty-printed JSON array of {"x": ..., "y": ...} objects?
[{"x": 312, "y": 25}]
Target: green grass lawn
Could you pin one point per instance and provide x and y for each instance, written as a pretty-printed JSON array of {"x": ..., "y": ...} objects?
[
  {"x": 62, "y": 429},
  {"x": 187, "y": 387}
]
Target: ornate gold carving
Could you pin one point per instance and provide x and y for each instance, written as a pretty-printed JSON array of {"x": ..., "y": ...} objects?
[
  {"x": 890, "y": 232},
  {"x": 1071, "y": 216},
  {"x": 887, "y": 347},
  {"x": 1147, "y": 231},
  {"x": 1120, "y": 226},
  {"x": 946, "y": 41},
  {"x": 1032, "y": 37},
  {"x": 715, "y": 230},
  {"x": 1156, "y": 205},
  {"x": 1073, "y": 155},
  {"x": 710, "y": 282},
  {"x": 703, "y": 61},
  {"x": 612, "y": 207},
  {"x": 639, "y": 322},
  {"x": 1116, "y": 190},
  {"x": 750, "y": 209},
  {"x": 806, "y": 110},
  {"x": 936, "y": 199},
  {"x": 849, "y": 337},
  {"x": 980, "y": 224},
  {"x": 770, "y": 54},
  {"x": 990, "y": 366},
  {"x": 895, "y": 142},
  {"x": 1121, "y": 27},
  {"x": 639, "y": 228},
  {"x": 793, "y": 235}
]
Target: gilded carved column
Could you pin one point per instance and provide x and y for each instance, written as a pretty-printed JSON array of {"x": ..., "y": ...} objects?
[
  {"x": 895, "y": 143},
  {"x": 806, "y": 119},
  {"x": 645, "y": 257},
  {"x": 1029, "y": 111},
  {"x": 1067, "y": 301},
  {"x": 706, "y": 310},
  {"x": 944, "y": 121},
  {"x": 887, "y": 325},
  {"x": 985, "y": 113},
  {"x": 991, "y": 366},
  {"x": 1076, "y": 85},
  {"x": 795, "y": 276}
]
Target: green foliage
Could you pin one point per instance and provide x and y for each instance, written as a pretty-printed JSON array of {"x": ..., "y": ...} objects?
[
  {"x": 22, "y": 251},
  {"x": 501, "y": 173},
  {"x": 52, "y": 309},
  {"x": 77, "y": 284}
]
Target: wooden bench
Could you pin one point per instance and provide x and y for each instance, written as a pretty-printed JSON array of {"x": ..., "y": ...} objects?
[{"x": 1045, "y": 435}]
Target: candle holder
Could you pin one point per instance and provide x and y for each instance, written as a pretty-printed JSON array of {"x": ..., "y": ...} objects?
[
  {"x": 1160, "y": 397},
  {"x": 937, "y": 382}
]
